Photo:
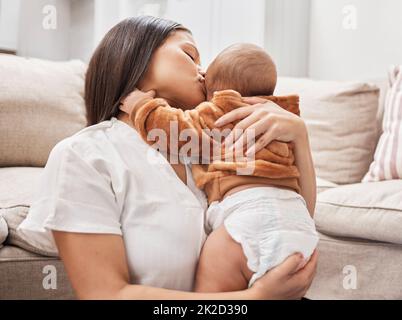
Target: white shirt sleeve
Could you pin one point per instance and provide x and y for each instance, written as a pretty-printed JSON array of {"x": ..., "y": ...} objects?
[{"x": 75, "y": 194}]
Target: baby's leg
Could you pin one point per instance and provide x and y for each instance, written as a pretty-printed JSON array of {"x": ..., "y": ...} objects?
[{"x": 222, "y": 265}]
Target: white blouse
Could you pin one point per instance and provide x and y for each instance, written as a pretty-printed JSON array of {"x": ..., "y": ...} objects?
[{"x": 106, "y": 179}]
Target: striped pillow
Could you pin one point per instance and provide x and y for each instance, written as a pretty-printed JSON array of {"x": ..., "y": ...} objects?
[{"x": 387, "y": 164}]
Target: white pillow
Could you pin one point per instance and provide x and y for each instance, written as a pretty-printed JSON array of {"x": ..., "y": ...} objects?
[
  {"x": 387, "y": 164},
  {"x": 342, "y": 126},
  {"x": 363, "y": 210},
  {"x": 3, "y": 230}
]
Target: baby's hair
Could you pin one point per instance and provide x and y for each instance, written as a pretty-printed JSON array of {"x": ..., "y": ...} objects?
[{"x": 243, "y": 67}]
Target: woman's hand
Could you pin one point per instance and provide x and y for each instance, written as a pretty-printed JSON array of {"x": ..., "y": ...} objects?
[
  {"x": 262, "y": 118},
  {"x": 268, "y": 121},
  {"x": 134, "y": 99},
  {"x": 284, "y": 282}
]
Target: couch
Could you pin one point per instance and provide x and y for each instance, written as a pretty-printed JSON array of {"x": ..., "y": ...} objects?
[{"x": 360, "y": 224}]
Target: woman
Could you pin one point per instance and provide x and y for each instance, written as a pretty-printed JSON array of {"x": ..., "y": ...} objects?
[{"x": 118, "y": 219}]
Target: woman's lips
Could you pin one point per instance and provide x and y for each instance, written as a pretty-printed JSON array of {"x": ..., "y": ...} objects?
[{"x": 201, "y": 81}]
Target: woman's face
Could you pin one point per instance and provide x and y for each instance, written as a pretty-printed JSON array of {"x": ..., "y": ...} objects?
[{"x": 174, "y": 72}]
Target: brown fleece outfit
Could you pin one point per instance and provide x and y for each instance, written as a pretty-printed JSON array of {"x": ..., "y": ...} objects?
[{"x": 273, "y": 165}]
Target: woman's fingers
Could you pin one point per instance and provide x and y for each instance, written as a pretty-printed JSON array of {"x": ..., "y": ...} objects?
[
  {"x": 306, "y": 275},
  {"x": 290, "y": 265},
  {"x": 265, "y": 126},
  {"x": 234, "y": 115},
  {"x": 267, "y": 122},
  {"x": 263, "y": 141},
  {"x": 246, "y": 139},
  {"x": 285, "y": 281},
  {"x": 239, "y": 129},
  {"x": 311, "y": 267},
  {"x": 302, "y": 278}
]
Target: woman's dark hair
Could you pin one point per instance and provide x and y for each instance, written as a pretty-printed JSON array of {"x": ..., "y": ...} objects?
[{"x": 120, "y": 61}]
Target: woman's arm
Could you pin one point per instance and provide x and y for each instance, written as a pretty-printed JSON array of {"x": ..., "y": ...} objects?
[
  {"x": 98, "y": 270},
  {"x": 304, "y": 162}
]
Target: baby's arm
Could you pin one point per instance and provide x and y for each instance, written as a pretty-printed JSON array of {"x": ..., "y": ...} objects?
[{"x": 157, "y": 114}]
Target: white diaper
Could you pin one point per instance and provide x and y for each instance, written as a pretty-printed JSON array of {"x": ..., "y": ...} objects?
[{"x": 270, "y": 224}]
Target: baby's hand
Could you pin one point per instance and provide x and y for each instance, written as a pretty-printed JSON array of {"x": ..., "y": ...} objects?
[{"x": 135, "y": 98}]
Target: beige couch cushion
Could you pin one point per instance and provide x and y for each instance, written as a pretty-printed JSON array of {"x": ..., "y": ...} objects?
[
  {"x": 323, "y": 185},
  {"x": 3, "y": 230},
  {"x": 22, "y": 275},
  {"x": 370, "y": 211},
  {"x": 342, "y": 125},
  {"x": 41, "y": 103},
  {"x": 377, "y": 266}
]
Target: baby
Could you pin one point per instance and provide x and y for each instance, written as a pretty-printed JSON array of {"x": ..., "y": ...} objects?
[{"x": 257, "y": 220}]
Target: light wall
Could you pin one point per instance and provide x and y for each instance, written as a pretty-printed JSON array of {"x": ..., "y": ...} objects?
[
  {"x": 81, "y": 24},
  {"x": 36, "y": 41},
  {"x": 82, "y": 31},
  {"x": 9, "y": 11},
  {"x": 307, "y": 38},
  {"x": 217, "y": 24},
  {"x": 362, "y": 53},
  {"x": 287, "y": 35}
]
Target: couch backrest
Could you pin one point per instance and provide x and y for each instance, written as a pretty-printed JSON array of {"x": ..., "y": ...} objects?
[
  {"x": 41, "y": 103},
  {"x": 344, "y": 122}
]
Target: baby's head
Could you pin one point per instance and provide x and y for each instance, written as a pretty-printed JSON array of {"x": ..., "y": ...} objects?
[{"x": 243, "y": 67}]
